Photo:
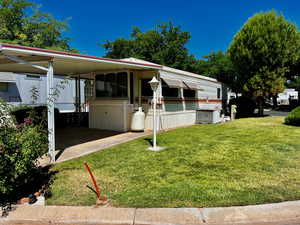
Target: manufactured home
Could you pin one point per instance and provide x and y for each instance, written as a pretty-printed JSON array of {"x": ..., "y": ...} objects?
[
  {"x": 118, "y": 87},
  {"x": 183, "y": 98}
]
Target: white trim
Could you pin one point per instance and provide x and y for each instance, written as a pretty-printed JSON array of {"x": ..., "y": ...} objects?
[
  {"x": 16, "y": 59},
  {"x": 172, "y": 70},
  {"x": 125, "y": 116},
  {"x": 63, "y": 56},
  {"x": 50, "y": 106}
]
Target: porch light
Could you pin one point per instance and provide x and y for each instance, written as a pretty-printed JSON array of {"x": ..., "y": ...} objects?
[{"x": 154, "y": 85}]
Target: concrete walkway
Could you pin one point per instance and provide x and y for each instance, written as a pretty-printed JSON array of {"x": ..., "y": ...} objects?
[
  {"x": 89, "y": 147},
  {"x": 279, "y": 213}
]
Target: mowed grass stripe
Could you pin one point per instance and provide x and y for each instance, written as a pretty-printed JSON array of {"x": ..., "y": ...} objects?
[{"x": 248, "y": 161}]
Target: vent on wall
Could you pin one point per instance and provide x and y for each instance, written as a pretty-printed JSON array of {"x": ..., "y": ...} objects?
[{"x": 33, "y": 77}]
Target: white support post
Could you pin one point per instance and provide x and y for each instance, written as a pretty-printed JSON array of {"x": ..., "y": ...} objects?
[
  {"x": 154, "y": 120},
  {"x": 50, "y": 105},
  {"x": 125, "y": 118}
]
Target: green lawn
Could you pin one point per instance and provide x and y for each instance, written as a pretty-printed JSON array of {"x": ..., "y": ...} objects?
[{"x": 248, "y": 161}]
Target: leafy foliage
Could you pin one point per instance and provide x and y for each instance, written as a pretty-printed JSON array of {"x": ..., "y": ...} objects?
[
  {"x": 23, "y": 23},
  {"x": 263, "y": 51},
  {"x": 293, "y": 118},
  {"x": 20, "y": 147},
  {"x": 219, "y": 66},
  {"x": 164, "y": 45}
]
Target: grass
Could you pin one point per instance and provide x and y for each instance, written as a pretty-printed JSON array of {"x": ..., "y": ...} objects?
[{"x": 248, "y": 161}]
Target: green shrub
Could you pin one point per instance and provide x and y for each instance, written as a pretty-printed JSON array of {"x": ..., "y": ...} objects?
[
  {"x": 38, "y": 113},
  {"x": 20, "y": 148},
  {"x": 293, "y": 118}
]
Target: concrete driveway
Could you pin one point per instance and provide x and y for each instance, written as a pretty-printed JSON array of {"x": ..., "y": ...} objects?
[{"x": 75, "y": 142}]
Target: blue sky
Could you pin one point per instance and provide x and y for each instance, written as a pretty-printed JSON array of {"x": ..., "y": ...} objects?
[{"x": 211, "y": 23}]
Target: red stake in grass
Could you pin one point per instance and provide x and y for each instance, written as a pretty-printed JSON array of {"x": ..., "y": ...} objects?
[{"x": 93, "y": 179}]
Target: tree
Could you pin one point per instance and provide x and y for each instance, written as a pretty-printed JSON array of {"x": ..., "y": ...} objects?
[
  {"x": 262, "y": 53},
  {"x": 164, "y": 45},
  {"x": 22, "y": 23},
  {"x": 219, "y": 66}
]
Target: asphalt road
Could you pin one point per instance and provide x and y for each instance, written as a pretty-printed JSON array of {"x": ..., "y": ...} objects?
[{"x": 275, "y": 113}]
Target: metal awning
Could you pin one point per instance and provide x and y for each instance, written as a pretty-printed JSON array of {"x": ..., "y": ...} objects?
[
  {"x": 172, "y": 83},
  {"x": 193, "y": 85},
  {"x": 7, "y": 77},
  {"x": 64, "y": 63}
]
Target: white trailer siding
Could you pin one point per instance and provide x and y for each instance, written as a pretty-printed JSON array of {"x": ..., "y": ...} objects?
[
  {"x": 19, "y": 91},
  {"x": 114, "y": 114},
  {"x": 182, "y": 112}
]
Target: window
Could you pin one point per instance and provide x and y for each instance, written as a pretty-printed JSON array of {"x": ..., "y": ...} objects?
[
  {"x": 88, "y": 88},
  {"x": 33, "y": 77},
  {"x": 112, "y": 85},
  {"x": 146, "y": 88},
  {"x": 3, "y": 87},
  {"x": 188, "y": 93},
  {"x": 169, "y": 92},
  {"x": 219, "y": 93}
]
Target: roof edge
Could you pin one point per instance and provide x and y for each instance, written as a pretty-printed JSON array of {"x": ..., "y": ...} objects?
[
  {"x": 20, "y": 47},
  {"x": 173, "y": 70}
]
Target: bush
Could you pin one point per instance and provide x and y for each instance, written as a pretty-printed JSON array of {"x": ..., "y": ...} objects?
[
  {"x": 38, "y": 113},
  {"x": 293, "y": 118},
  {"x": 20, "y": 148}
]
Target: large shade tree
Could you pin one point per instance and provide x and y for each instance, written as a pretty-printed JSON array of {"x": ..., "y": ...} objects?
[
  {"x": 263, "y": 52},
  {"x": 21, "y": 22},
  {"x": 219, "y": 66},
  {"x": 164, "y": 45}
]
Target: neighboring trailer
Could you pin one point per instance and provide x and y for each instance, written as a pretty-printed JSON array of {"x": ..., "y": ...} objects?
[{"x": 17, "y": 89}]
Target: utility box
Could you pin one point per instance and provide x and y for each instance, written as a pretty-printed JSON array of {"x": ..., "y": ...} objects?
[{"x": 208, "y": 116}]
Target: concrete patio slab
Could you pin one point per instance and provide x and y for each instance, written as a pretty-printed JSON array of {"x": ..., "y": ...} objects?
[
  {"x": 97, "y": 145},
  {"x": 84, "y": 144}
]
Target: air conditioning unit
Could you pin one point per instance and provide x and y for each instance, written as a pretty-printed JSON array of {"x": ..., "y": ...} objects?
[{"x": 208, "y": 116}]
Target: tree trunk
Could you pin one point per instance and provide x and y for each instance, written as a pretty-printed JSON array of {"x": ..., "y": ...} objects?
[
  {"x": 260, "y": 101},
  {"x": 274, "y": 98}
]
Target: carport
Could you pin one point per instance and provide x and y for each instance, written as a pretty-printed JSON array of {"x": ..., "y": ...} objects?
[{"x": 21, "y": 59}]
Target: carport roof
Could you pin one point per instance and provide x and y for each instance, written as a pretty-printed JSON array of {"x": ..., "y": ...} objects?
[{"x": 65, "y": 63}]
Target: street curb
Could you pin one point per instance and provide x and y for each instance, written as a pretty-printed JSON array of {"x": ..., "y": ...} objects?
[{"x": 277, "y": 213}]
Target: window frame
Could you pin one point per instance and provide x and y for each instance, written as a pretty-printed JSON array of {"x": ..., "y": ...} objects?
[
  {"x": 114, "y": 85},
  {"x": 218, "y": 93},
  {"x": 33, "y": 77},
  {"x": 164, "y": 85},
  {"x": 188, "y": 97}
]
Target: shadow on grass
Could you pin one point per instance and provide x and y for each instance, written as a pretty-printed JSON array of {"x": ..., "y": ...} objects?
[{"x": 149, "y": 140}]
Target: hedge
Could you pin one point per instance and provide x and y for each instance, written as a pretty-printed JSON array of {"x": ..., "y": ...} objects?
[{"x": 293, "y": 118}]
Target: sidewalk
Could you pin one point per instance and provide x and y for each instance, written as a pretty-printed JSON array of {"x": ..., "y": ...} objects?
[
  {"x": 79, "y": 150},
  {"x": 267, "y": 214}
]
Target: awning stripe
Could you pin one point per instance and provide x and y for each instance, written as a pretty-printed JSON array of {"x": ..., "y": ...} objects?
[
  {"x": 172, "y": 83},
  {"x": 192, "y": 85}
]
